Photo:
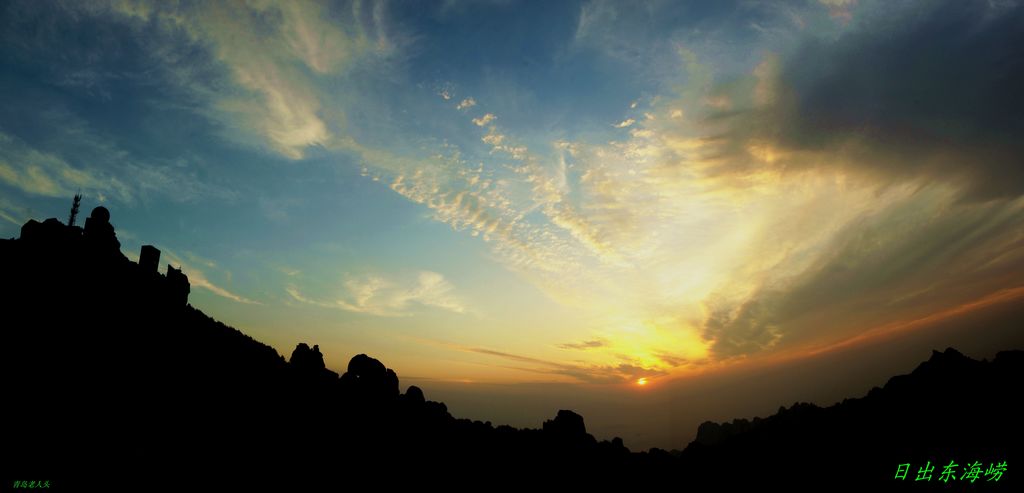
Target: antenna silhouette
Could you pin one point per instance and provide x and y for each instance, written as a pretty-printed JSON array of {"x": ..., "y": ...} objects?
[{"x": 74, "y": 209}]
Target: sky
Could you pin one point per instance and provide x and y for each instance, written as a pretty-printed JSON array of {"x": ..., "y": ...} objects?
[{"x": 657, "y": 213}]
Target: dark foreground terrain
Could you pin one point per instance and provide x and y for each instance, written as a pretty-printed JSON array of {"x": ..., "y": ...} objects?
[{"x": 111, "y": 381}]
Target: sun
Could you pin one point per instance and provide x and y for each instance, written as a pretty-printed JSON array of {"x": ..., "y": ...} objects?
[{"x": 641, "y": 381}]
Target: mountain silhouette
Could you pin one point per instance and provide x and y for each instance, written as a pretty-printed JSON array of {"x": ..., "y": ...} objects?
[
  {"x": 108, "y": 372},
  {"x": 950, "y": 408}
]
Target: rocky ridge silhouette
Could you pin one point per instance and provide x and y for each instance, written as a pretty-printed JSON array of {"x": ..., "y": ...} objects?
[{"x": 108, "y": 370}]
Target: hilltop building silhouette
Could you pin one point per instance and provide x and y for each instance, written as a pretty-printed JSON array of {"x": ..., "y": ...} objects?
[
  {"x": 99, "y": 240},
  {"x": 99, "y": 232},
  {"x": 149, "y": 259}
]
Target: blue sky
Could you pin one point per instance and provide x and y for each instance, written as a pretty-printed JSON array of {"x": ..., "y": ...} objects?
[{"x": 582, "y": 193}]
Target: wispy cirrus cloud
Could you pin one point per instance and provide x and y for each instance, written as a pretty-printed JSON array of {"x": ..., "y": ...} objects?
[
  {"x": 625, "y": 372},
  {"x": 198, "y": 278},
  {"x": 386, "y": 297},
  {"x": 97, "y": 167},
  {"x": 591, "y": 344},
  {"x": 279, "y": 57},
  {"x": 43, "y": 173}
]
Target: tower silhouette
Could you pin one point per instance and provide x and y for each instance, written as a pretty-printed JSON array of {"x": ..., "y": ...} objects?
[{"x": 74, "y": 209}]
